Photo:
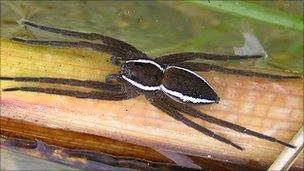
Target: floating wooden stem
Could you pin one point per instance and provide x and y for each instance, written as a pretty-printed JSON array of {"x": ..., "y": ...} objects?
[{"x": 268, "y": 106}]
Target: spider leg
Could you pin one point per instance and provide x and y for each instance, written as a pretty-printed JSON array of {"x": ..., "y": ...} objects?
[
  {"x": 185, "y": 56},
  {"x": 118, "y": 95},
  {"x": 195, "y": 113},
  {"x": 80, "y": 44},
  {"x": 110, "y": 41},
  {"x": 210, "y": 67},
  {"x": 72, "y": 82},
  {"x": 158, "y": 100}
]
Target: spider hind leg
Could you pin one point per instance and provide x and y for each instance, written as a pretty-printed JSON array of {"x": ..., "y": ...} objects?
[
  {"x": 158, "y": 100},
  {"x": 195, "y": 113}
]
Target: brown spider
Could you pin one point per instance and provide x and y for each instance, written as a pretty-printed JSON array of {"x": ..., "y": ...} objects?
[{"x": 167, "y": 82}]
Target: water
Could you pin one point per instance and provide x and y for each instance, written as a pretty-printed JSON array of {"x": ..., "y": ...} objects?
[
  {"x": 159, "y": 28},
  {"x": 166, "y": 27}
]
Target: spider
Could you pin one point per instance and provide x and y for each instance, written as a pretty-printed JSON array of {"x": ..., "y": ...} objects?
[{"x": 168, "y": 82}]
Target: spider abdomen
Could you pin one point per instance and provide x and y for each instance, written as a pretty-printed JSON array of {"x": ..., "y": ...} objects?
[{"x": 187, "y": 86}]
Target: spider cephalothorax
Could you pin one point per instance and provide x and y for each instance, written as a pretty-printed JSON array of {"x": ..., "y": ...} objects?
[{"x": 168, "y": 82}]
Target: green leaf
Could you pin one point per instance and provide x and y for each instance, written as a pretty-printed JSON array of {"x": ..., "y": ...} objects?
[{"x": 254, "y": 11}]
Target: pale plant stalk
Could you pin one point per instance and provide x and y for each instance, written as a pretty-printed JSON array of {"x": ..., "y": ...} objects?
[{"x": 267, "y": 106}]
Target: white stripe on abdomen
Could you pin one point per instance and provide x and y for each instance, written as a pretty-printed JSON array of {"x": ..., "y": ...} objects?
[{"x": 183, "y": 97}]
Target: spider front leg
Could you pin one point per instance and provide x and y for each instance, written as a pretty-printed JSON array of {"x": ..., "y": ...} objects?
[
  {"x": 178, "y": 58},
  {"x": 72, "y": 82},
  {"x": 130, "y": 51},
  {"x": 210, "y": 67},
  {"x": 81, "y": 44},
  {"x": 105, "y": 91},
  {"x": 100, "y": 95},
  {"x": 157, "y": 99}
]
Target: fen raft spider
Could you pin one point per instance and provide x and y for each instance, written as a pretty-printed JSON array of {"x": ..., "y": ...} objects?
[{"x": 168, "y": 82}]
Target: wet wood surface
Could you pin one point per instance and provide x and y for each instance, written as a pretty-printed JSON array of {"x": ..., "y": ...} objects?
[
  {"x": 86, "y": 151},
  {"x": 273, "y": 107}
]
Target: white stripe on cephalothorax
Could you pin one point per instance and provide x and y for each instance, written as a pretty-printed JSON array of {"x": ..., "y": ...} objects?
[
  {"x": 185, "y": 98},
  {"x": 147, "y": 61},
  {"x": 187, "y": 70},
  {"x": 140, "y": 86}
]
